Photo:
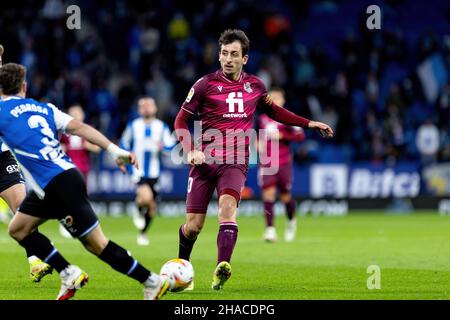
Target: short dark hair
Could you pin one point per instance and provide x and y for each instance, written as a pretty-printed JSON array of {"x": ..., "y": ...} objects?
[
  {"x": 12, "y": 75},
  {"x": 231, "y": 35}
]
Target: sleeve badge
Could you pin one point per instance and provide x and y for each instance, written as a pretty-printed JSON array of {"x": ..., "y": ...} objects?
[{"x": 190, "y": 95}]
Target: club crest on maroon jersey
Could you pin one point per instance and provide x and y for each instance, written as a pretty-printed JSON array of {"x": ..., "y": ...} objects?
[{"x": 247, "y": 87}]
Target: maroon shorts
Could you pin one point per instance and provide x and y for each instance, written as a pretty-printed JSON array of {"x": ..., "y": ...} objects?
[
  {"x": 282, "y": 179},
  {"x": 204, "y": 179}
]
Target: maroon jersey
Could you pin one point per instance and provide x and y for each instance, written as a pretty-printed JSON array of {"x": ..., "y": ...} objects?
[
  {"x": 287, "y": 133},
  {"x": 77, "y": 152},
  {"x": 228, "y": 107}
]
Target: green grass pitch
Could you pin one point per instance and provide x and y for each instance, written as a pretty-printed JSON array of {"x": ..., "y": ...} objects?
[{"x": 328, "y": 260}]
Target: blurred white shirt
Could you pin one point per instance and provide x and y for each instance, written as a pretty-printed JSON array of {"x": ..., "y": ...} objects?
[{"x": 427, "y": 139}]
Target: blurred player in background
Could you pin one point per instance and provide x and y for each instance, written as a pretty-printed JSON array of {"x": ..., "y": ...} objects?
[
  {"x": 226, "y": 101},
  {"x": 13, "y": 192},
  {"x": 146, "y": 137},
  {"x": 31, "y": 131},
  {"x": 77, "y": 149},
  {"x": 282, "y": 180}
]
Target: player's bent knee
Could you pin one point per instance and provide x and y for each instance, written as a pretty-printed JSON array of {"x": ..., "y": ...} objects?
[
  {"x": 227, "y": 207},
  {"x": 17, "y": 232},
  {"x": 141, "y": 198},
  {"x": 13, "y": 232},
  {"x": 144, "y": 195},
  {"x": 141, "y": 203},
  {"x": 227, "y": 214},
  {"x": 285, "y": 197},
  {"x": 95, "y": 248},
  {"x": 193, "y": 229},
  {"x": 95, "y": 241},
  {"x": 269, "y": 194},
  {"x": 144, "y": 201},
  {"x": 269, "y": 198}
]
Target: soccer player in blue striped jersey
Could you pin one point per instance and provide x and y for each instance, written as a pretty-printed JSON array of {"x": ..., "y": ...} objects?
[
  {"x": 30, "y": 129},
  {"x": 13, "y": 192},
  {"x": 146, "y": 136}
]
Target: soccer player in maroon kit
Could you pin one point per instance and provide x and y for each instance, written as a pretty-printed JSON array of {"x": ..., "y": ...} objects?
[
  {"x": 282, "y": 179},
  {"x": 78, "y": 148},
  {"x": 225, "y": 101}
]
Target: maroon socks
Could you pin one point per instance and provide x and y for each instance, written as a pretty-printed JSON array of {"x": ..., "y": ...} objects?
[
  {"x": 226, "y": 240},
  {"x": 268, "y": 213}
]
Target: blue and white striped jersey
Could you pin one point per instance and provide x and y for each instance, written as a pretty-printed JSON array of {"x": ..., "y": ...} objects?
[
  {"x": 30, "y": 129},
  {"x": 147, "y": 141}
]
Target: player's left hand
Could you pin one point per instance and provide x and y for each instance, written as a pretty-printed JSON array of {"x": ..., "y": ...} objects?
[
  {"x": 128, "y": 159},
  {"x": 196, "y": 157},
  {"x": 122, "y": 157},
  {"x": 324, "y": 129}
]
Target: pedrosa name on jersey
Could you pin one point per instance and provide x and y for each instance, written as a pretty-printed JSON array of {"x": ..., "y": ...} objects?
[{"x": 28, "y": 107}]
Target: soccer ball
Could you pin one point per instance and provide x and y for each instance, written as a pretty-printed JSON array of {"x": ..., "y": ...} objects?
[{"x": 179, "y": 272}]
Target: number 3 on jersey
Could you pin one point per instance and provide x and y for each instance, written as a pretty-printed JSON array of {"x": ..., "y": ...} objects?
[{"x": 50, "y": 151}]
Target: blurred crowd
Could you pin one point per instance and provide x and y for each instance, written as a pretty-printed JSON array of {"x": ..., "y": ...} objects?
[{"x": 371, "y": 86}]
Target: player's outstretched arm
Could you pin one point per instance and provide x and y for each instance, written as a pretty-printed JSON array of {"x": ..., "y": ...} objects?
[
  {"x": 91, "y": 147},
  {"x": 296, "y": 134},
  {"x": 289, "y": 118},
  {"x": 122, "y": 157},
  {"x": 324, "y": 129}
]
